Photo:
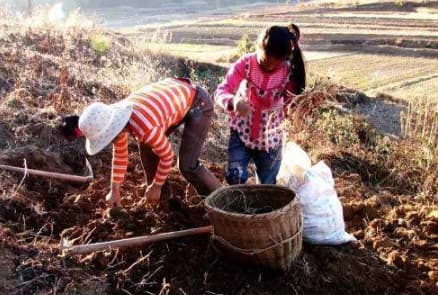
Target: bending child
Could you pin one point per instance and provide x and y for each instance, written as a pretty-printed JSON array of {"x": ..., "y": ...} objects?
[
  {"x": 150, "y": 115},
  {"x": 256, "y": 91}
]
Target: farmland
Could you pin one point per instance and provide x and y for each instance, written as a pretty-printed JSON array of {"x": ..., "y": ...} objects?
[
  {"x": 385, "y": 169},
  {"x": 374, "y": 47}
]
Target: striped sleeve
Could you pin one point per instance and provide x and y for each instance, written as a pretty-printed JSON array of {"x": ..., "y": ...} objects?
[
  {"x": 120, "y": 158},
  {"x": 162, "y": 148}
]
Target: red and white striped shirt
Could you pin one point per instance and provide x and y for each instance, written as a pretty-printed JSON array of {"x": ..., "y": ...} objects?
[{"x": 156, "y": 108}]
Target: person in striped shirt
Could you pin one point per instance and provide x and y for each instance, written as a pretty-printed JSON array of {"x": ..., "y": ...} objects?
[
  {"x": 256, "y": 91},
  {"x": 150, "y": 115}
]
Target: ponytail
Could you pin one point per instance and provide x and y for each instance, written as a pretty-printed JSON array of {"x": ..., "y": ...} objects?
[{"x": 297, "y": 61}]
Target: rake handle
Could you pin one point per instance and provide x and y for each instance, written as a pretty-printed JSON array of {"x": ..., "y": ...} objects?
[
  {"x": 61, "y": 176},
  {"x": 132, "y": 242}
]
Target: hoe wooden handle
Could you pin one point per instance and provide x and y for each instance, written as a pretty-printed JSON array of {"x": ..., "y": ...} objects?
[
  {"x": 132, "y": 242},
  {"x": 61, "y": 176}
]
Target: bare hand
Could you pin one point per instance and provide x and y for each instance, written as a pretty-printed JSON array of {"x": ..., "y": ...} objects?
[
  {"x": 113, "y": 197},
  {"x": 153, "y": 195},
  {"x": 242, "y": 108}
]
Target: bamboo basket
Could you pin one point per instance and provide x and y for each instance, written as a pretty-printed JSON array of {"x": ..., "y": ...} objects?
[{"x": 257, "y": 224}]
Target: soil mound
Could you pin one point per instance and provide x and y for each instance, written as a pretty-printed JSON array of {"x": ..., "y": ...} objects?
[{"x": 44, "y": 75}]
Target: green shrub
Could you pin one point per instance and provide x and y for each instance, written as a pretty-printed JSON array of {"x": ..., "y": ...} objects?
[
  {"x": 245, "y": 45},
  {"x": 100, "y": 43},
  {"x": 14, "y": 103},
  {"x": 345, "y": 130},
  {"x": 400, "y": 3}
]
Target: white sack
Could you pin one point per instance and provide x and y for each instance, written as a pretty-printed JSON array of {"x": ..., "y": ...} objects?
[{"x": 322, "y": 210}]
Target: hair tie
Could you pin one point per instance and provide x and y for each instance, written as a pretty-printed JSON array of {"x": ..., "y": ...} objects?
[{"x": 78, "y": 133}]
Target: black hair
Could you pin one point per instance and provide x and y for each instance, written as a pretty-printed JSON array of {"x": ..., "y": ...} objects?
[
  {"x": 297, "y": 60},
  {"x": 69, "y": 125},
  {"x": 277, "y": 41}
]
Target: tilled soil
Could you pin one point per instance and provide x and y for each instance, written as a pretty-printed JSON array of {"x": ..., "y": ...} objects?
[
  {"x": 42, "y": 213},
  {"x": 396, "y": 228}
]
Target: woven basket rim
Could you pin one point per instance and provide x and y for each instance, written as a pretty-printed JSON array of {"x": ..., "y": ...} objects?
[{"x": 273, "y": 213}]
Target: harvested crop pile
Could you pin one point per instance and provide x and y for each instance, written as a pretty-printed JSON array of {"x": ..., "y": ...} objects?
[{"x": 44, "y": 75}]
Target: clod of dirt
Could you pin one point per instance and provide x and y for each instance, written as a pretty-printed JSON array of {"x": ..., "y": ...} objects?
[
  {"x": 396, "y": 258},
  {"x": 377, "y": 183},
  {"x": 5, "y": 135},
  {"x": 7, "y": 274}
]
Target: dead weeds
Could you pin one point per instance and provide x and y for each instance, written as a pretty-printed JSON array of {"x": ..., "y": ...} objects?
[{"x": 387, "y": 194}]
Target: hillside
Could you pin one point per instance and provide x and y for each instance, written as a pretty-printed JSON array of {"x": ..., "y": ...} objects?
[
  {"x": 377, "y": 47},
  {"x": 388, "y": 185}
]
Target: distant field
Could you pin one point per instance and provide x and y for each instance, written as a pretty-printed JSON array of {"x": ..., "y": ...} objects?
[
  {"x": 424, "y": 90},
  {"x": 200, "y": 52},
  {"x": 229, "y": 31},
  {"x": 370, "y": 73},
  {"x": 374, "y": 46}
]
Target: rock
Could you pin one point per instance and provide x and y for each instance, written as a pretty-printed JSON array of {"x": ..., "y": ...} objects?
[
  {"x": 395, "y": 258},
  {"x": 360, "y": 234},
  {"x": 422, "y": 244},
  {"x": 405, "y": 233},
  {"x": 384, "y": 242},
  {"x": 433, "y": 275},
  {"x": 430, "y": 227},
  {"x": 348, "y": 212},
  {"x": 377, "y": 223}
]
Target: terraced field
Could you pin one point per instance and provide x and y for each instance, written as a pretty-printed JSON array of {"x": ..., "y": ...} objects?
[
  {"x": 404, "y": 77},
  {"x": 426, "y": 89},
  {"x": 375, "y": 46},
  {"x": 388, "y": 186}
]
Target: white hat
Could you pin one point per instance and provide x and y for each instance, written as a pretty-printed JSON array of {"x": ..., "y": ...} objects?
[{"x": 101, "y": 123}]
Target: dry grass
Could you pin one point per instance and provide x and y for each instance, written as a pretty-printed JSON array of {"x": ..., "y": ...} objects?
[
  {"x": 409, "y": 164},
  {"x": 420, "y": 122},
  {"x": 42, "y": 18},
  {"x": 55, "y": 73},
  {"x": 380, "y": 180},
  {"x": 198, "y": 52},
  {"x": 418, "y": 89},
  {"x": 390, "y": 31},
  {"x": 368, "y": 72},
  {"x": 306, "y": 103}
]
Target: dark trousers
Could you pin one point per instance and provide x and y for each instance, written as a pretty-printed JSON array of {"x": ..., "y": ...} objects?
[{"x": 196, "y": 124}]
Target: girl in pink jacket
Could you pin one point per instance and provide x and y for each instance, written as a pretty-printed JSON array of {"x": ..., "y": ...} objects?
[{"x": 256, "y": 91}]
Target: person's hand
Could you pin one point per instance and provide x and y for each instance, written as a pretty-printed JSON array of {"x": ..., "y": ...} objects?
[
  {"x": 113, "y": 197},
  {"x": 242, "y": 108},
  {"x": 153, "y": 195}
]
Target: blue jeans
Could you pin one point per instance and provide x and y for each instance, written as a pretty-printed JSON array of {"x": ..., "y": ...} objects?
[{"x": 239, "y": 156}]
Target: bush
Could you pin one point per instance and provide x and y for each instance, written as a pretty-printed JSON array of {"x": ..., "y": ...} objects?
[
  {"x": 100, "y": 43},
  {"x": 404, "y": 166},
  {"x": 400, "y": 3},
  {"x": 244, "y": 46},
  {"x": 345, "y": 130}
]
